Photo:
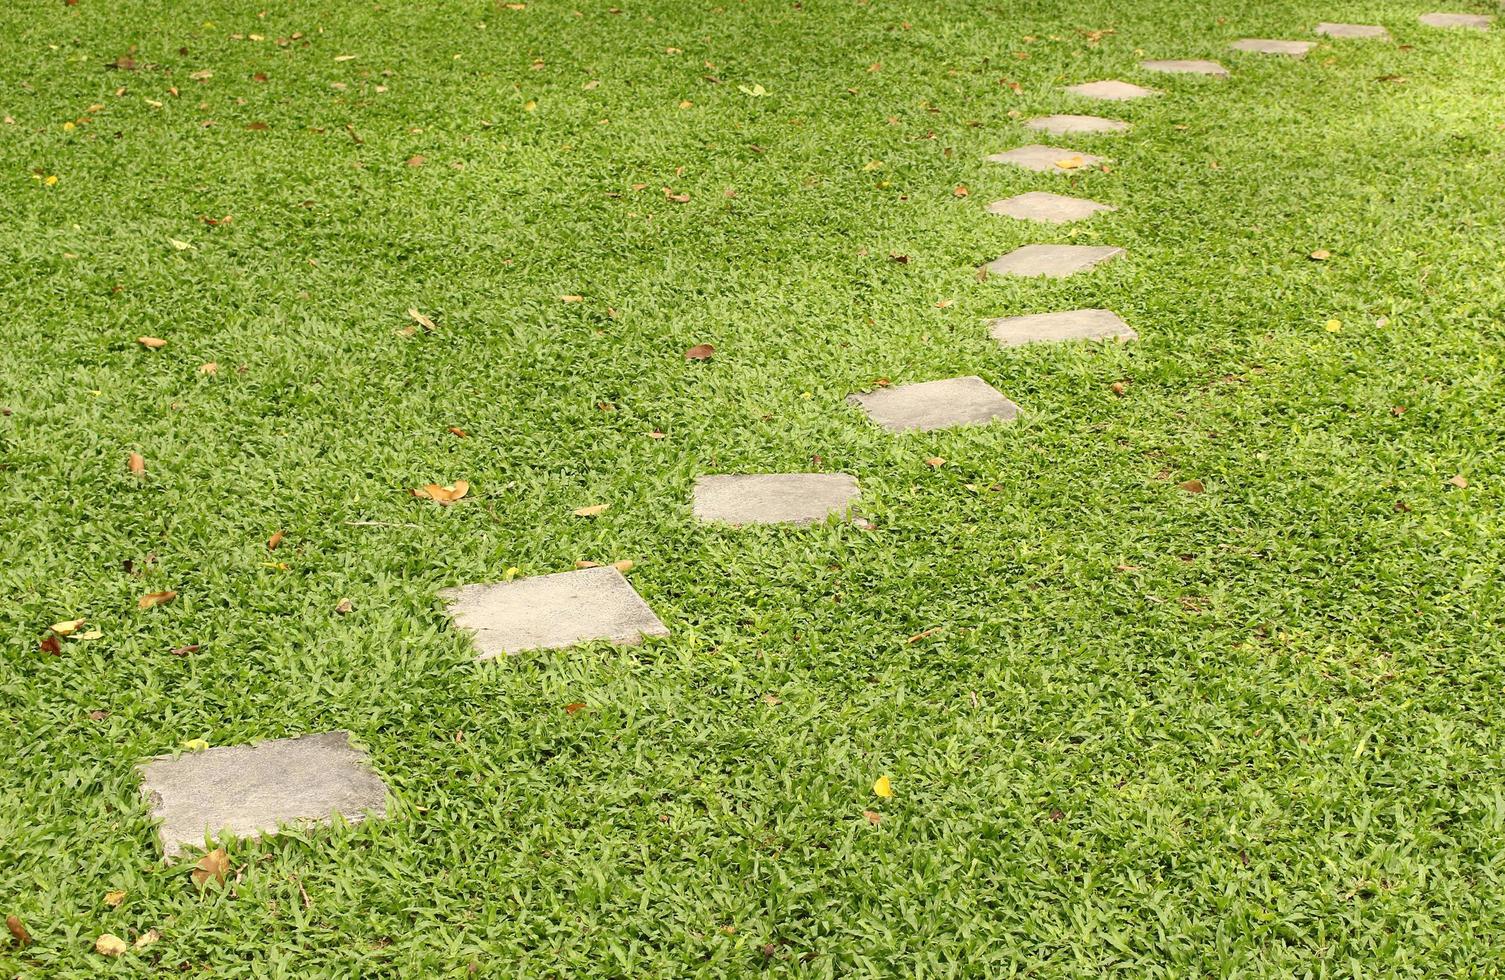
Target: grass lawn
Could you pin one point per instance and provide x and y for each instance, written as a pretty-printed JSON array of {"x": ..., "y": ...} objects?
[{"x": 1130, "y": 729}]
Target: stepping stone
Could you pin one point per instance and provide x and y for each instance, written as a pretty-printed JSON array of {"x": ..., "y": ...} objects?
[
  {"x": 1291, "y": 49},
  {"x": 1057, "y": 209},
  {"x": 774, "y": 498},
  {"x": 1354, "y": 31},
  {"x": 936, "y": 405},
  {"x": 548, "y": 612},
  {"x": 1476, "y": 22},
  {"x": 1186, "y": 67},
  {"x": 1111, "y": 91},
  {"x": 1047, "y": 159},
  {"x": 1061, "y": 124},
  {"x": 1014, "y": 331},
  {"x": 250, "y": 790},
  {"x": 1052, "y": 261}
]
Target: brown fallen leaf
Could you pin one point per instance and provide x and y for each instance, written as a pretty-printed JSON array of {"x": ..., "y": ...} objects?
[
  {"x": 184, "y": 650},
  {"x": 344, "y": 607},
  {"x": 146, "y": 939},
  {"x": 114, "y": 898},
  {"x": 935, "y": 462},
  {"x": 444, "y": 496},
  {"x": 678, "y": 198},
  {"x": 624, "y": 566},
  {"x": 51, "y": 645},
  {"x": 18, "y": 930},
  {"x": 274, "y": 540},
  {"x": 595, "y": 510},
  {"x": 422, "y": 320},
  {"x": 960, "y": 190},
  {"x": 151, "y": 343},
  {"x": 921, "y": 635},
  {"x": 873, "y": 816},
  {"x": 1118, "y": 388},
  {"x": 257, "y": 127},
  {"x": 210, "y": 368},
  {"x": 136, "y": 463},
  {"x": 215, "y": 865},
  {"x": 1321, "y": 255},
  {"x": 109, "y": 945},
  {"x": 458, "y": 432},
  {"x": 1192, "y": 486},
  {"x": 155, "y": 599},
  {"x": 416, "y": 160},
  {"x": 1459, "y": 481},
  {"x": 573, "y": 707},
  {"x": 700, "y": 352}
]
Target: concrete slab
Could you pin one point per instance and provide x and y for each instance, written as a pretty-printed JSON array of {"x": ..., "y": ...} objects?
[
  {"x": 1047, "y": 159},
  {"x": 1352, "y": 32},
  {"x": 1111, "y": 91},
  {"x": 250, "y": 790},
  {"x": 1290, "y": 49},
  {"x": 1052, "y": 261},
  {"x": 1055, "y": 209},
  {"x": 549, "y": 612},
  {"x": 936, "y": 405},
  {"x": 1472, "y": 22},
  {"x": 774, "y": 498},
  {"x": 1014, "y": 331},
  {"x": 1061, "y": 124},
  {"x": 1192, "y": 66}
]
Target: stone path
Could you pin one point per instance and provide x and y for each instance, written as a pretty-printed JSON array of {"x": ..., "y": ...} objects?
[{"x": 247, "y": 790}]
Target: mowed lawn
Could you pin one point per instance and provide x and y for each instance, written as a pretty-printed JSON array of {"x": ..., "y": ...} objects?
[{"x": 1130, "y": 729}]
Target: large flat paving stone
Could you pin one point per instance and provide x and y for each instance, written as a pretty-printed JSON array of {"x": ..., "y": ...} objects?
[
  {"x": 1186, "y": 66},
  {"x": 1473, "y": 22},
  {"x": 774, "y": 498},
  {"x": 1257, "y": 45},
  {"x": 1036, "y": 328},
  {"x": 1046, "y": 159},
  {"x": 936, "y": 405},
  {"x": 1052, "y": 261},
  {"x": 250, "y": 790},
  {"x": 548, "y": 612},
  {"x": 1353, "y": 32},
  {"x": 1056, "y": 209},
  {"x": 1061, "y": 124},
  {"x": 1111, "y": 91}
]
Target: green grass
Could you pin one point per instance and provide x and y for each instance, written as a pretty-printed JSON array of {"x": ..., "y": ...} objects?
[{"x": 1252, "y": 732}]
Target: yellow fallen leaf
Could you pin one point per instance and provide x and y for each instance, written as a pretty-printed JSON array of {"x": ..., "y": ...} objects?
[
  {"x": 113, "y": 899},
  {"x": 179, "y": 244},
  {"x": 210, "y": 368},
  {"x": 422, "y": 320},
  {"x": 67, "y": 626},
  {"x": 624, "y": 566},
  {"x": 147, "y": 938},
  {"x": 1334, "y": 326},
  {"x": 50, "y": 180},
  {"x": 530, "y": 106},
  {"x": 90, "y": 635},
  {"x": 109, "y": 945},
  {"x": 1070, "y": 163},
  {"x": 595, "y": 510},
  {"x": 873, "y": 165},
  {"x": 572, "y": 299},
  {"x": 755, "y": 90},
  {"x": 883, "y": 788},
  {"x": 1321, "y": 255},
  {"x": 194, "y": 745}
]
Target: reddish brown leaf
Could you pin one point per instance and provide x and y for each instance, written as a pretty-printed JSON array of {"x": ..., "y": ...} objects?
[
  {"x": 573, "y": 707},
  {"x": 700, "y": 352},
  {"x": 18, "y": 930},
  {"x": 455, "y": 430},
  {"x": 274, "y": 540},
  {"x": 155, "y": 599},
  {"x": 136, "y": 463},
  {"x": 185, "y": 650},
  {"x": 1192, "y": 486},
  {"x": 51, "y": 645}
]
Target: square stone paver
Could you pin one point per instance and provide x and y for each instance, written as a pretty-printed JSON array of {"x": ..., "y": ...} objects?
[
  {"x": 774, "y": 498},
  {"x": 1192, "y": 66},
  {"x": 250, "y": 790},
  {"x": 1060, "y": 125},
  {"x": 547, "y": 612},
  {"x": 1057, "y": 209},
  {"x": 1111, "y": 91},
  {"x": 1015, "y": 331},
  {"x": 1291, "y": 49},
  {"x": 1052, "y": 261},
  {"x": 1354, "y": 31},
  {"x": 1475, "y": 22},
  {"x": 1047, "y": 159},
  {"x": 936, "y": 405}
]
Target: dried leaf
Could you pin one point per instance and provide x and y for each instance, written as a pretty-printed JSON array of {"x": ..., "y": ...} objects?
[
  {"x": 1321, "y": 255},
  {"x": 109, "y": 945},
  {"x": 572, "y": 298},
  {"x": 18, "y": 930},
  {"x": 274, "y": 540},
  {"x": 179, "y": 244},
  {"x": 458, "y": 432},
  {"x": 147, "y": 938},
  {"x": 67, "y": 626},
  {"x": 415, "y": 160},
  {"x": 344, "y": 607},
  {"x": 700, "y": 352},
  {"x": 1192, "y": 486},
  {"x": 155, "y": 599},
  {"x": 113, "y": 899},
  {"x": 1118, "y": 388},
  {"x": 215, "y": 865},
  {"x": 624, "y": 566},
  {"x": 443, "y": 495},
  {"x": 883, "y": 788},
  {"x": 1070, "y": 163},
  {"x": 873, "y": 816},
  {"x": 1459, "y": 481},
  {"x": 935, "y": 462},
  {"x": 210, "y": 368},
  {"x": 422, "y": 320},
  {"x": 570, "y": 709},
  {"x": 151, "y": 343},
  {"x": 184, "y": 650},
  {"x": 960, "y": 190},
  {"x": 136, "y": 463},
  {"x": 595, "y": 510}
]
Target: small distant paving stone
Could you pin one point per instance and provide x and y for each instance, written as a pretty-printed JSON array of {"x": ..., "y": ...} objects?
[
  {"x": 936, "y": 405},
  {"x": 1111, "y": 91},
  {"x": 250, "y": 790},
  {"x": 1047, "y": 159},
  {"x": 774, "y": 498},
  {"x": 1475, "y": 22},
  {"x": 1291, "y": 49},
  {"x": 1052, "y": 261},
  {"x": 1057, "y": 209},
  {"x": 548, "y": 612},
  {"x": 1353, "y": 31},
  {"x": 1014, "y": 331},
  {"x": 1059, "y": 125},
  {"x": 1186, "y": 67}
]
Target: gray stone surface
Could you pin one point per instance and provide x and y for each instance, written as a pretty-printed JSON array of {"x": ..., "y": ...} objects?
[
  {"x": 1057, "y": 209},
  {"x": 1354, "y": 31},
  {"x": 250, "y": 790},
  {"x": 1111, "y": 91},
  {"x": 1045, "y": 159},
  {"x": 1474, "y": 22},
  {"x": 547, "y": 612},
  {"x": 1291, "y": 49},
  {"x": 1061, "y": 124},
  {"x": 936, "y": 405},
  {"x": 774, "y": 498},
  {"x": 1052, "y": 261},
  {"x": 1013, "y": 331},
  {"x": 1192, "y": 66}
]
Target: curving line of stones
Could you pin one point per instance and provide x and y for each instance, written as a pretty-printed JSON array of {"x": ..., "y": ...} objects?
[{"x": 249, "y": 790}]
